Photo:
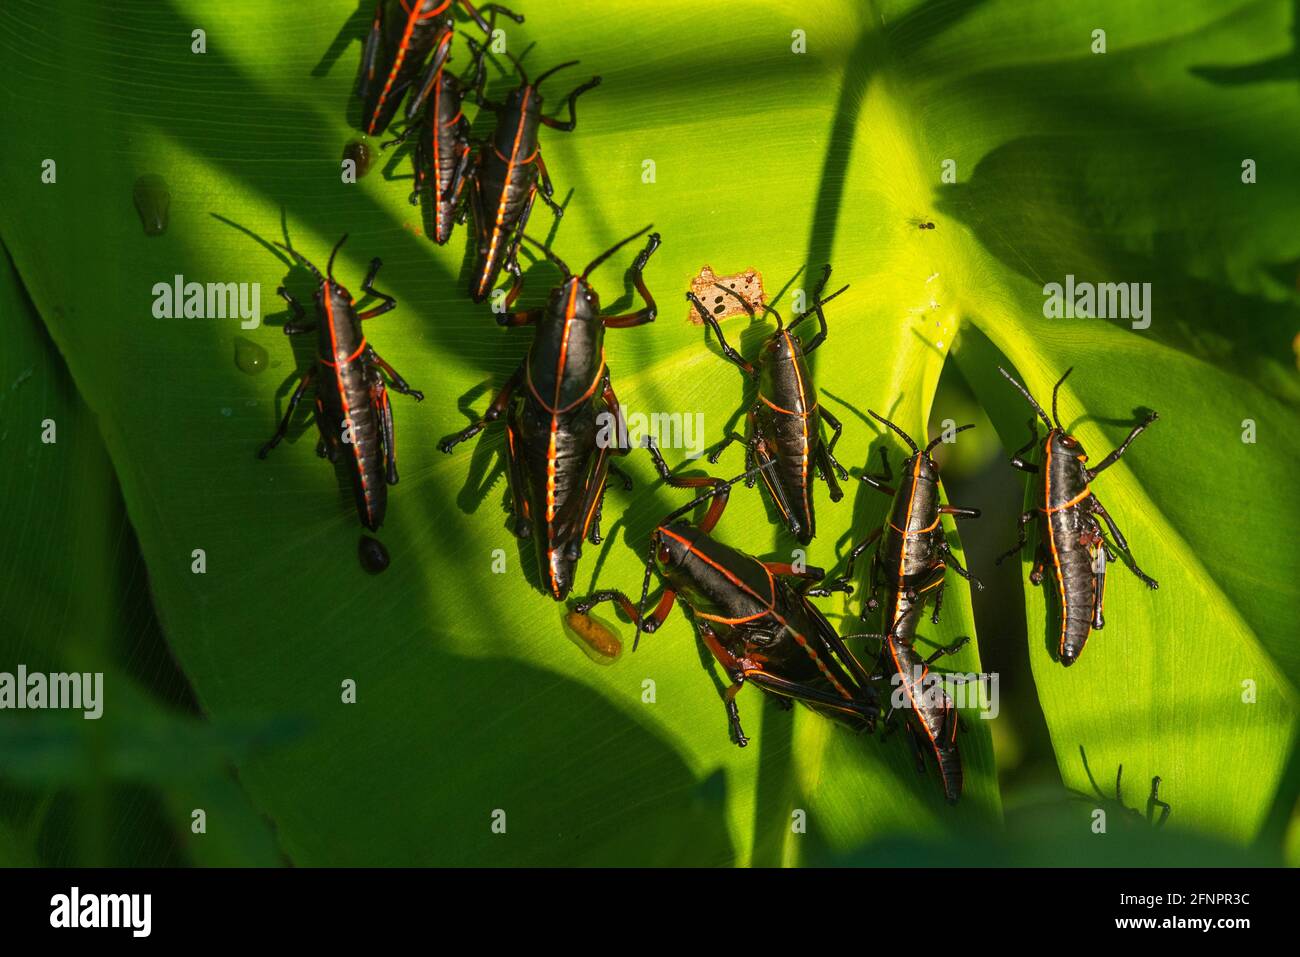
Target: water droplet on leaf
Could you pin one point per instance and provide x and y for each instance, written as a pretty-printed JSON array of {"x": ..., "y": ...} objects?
[
  {"x": 359, "y": 152},
  {"x": 249, "y": 356},
  {"x": 152, "y": 202}
]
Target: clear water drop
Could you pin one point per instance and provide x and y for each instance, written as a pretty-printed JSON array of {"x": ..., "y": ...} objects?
[
  {"x": 249, "y": 356},
  {"x": 152, "y": 202}
]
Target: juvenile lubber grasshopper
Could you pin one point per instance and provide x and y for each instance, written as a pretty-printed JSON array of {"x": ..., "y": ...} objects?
[
  {"x": 910, "y": 561},
  {"x": 393, "y": 58},
  {"x": 1070, "y": 537},
  {"x": 785, "y": 422},
  {"x": 554, "y": 403},
  {"x": 442, "y": 147},
  {"x": 931, "y": 718},
  {"x": 509, "y": 172},
  {"x": 759, "y": 626},
  {"x": 913, "y": 554},
  {"x": 352, "y": 407}
]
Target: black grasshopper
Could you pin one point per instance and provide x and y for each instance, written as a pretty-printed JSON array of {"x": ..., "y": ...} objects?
[
  {"x": 401, "y": 36},
  {"x": 1070, "y": 536},
  {"x": 753, "y": 616},
  {"x": 554, "y": 405},
  {"x": 352, "y": 408},
  {"x": 930, "y": 716},
  {"x": 785, "y": 422},
  {"x": 509, "y": 172},
  {"x": 442, "y": 148},
  {"x": 909, "y": 563},
  {"x": 913, "y": 553}
]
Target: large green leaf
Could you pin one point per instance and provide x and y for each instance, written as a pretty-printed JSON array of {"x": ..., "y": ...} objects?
[
  {"x": 1105, "y": 168},
  {"x": 1162, "y": 689},
  {"x": 470, "y": 698},
  {"x": 75, "y": 598}
]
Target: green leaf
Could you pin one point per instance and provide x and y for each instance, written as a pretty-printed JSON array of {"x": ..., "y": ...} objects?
[
  {"x": 1177, "y": 684},
  {"x": 1123, "y": 166},
  {"x": 470, "y": 699},
  {"x": 75, "y": 598},
  {"x": 1127, "y": 167}
]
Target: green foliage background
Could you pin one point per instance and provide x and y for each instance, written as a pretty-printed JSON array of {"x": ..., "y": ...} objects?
[{"x": 224, "y": 688}]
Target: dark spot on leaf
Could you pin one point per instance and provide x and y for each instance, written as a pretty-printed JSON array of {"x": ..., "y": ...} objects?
[{"x": 373, "y": 555}]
